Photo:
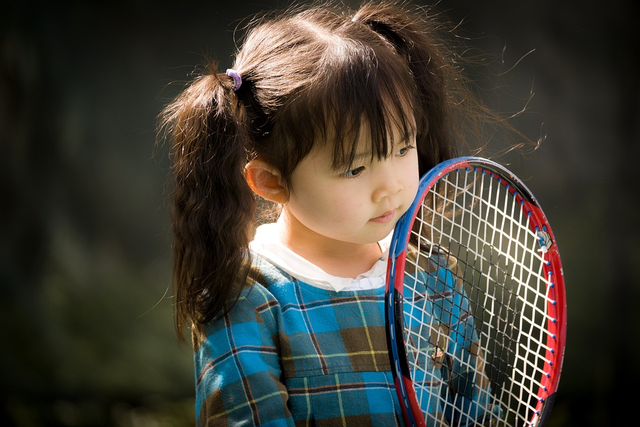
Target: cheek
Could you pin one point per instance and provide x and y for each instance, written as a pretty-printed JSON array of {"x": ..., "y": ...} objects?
[
  {"x": 339, "y": 206},
  {"x": 336, "y": 207},
  {"x": 347, "y": 210},
  {"x": 413, "y": 187},
  {"x": 413, "y": 179}
]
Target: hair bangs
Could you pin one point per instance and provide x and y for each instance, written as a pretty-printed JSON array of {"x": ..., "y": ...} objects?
[
  {"x": 367, "y": 99},
  {"x": 372, "y": 110},
  {"x": 359, "y": 93}
]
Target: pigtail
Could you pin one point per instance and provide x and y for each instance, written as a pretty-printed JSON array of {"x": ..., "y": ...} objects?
[
  {"x": 213, "y": 206},
  {"x": 447, "y": 113}
]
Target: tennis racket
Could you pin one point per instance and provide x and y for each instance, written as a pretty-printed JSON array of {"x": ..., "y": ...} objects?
[{"x": 475, "y": 301}]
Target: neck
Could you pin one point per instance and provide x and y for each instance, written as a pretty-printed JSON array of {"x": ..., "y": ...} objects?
[{"x": 335, "y": 257}]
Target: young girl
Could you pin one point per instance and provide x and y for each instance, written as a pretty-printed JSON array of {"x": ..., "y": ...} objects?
[{"x": 332, "y": 116}]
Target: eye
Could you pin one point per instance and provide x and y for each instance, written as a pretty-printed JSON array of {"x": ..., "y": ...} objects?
[
  {"x": 353, "y": 172},
  {"x": 404, "y": 150}
]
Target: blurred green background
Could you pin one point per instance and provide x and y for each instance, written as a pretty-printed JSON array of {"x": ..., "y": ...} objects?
[{"x": 86, "y": 326}]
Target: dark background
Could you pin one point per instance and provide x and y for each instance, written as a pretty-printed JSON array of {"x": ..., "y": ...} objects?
[{"x": 85, "y": 310}]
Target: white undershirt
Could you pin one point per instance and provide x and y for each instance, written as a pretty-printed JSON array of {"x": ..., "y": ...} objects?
[{"x": 267, "y": 244}]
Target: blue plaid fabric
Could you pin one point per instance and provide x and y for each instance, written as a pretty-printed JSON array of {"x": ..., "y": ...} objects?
[{"x": 291, "y": 354}]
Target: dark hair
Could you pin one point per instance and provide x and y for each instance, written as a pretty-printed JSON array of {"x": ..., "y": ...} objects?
[{"x": 306, "y": 74}]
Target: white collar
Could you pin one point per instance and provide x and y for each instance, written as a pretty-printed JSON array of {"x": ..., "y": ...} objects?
[{"x": 267, "y": 244}]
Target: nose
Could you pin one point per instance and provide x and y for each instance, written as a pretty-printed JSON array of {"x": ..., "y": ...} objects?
[{"x": 388, "y": 182}]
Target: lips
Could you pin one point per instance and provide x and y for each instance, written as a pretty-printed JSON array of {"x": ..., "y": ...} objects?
[{"x": 385, "y": 217}]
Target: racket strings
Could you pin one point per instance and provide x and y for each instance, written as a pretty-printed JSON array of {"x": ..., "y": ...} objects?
[{"x": 477, "y": 297}]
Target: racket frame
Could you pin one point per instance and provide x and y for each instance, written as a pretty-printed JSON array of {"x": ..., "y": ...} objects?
[{"x": 394, "y": 312}]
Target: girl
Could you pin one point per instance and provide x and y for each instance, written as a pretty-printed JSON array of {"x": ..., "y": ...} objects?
[{"x": 332, "y": 116}]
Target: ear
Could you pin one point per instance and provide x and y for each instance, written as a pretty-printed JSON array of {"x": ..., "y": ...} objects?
[{"x": 266, "y": 181}]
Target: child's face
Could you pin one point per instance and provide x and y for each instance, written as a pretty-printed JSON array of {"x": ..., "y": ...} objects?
[{"x": 361, "y": 205}]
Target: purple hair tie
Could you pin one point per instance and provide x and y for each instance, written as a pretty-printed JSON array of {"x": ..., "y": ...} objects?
[{"x": 237, "y": 79}]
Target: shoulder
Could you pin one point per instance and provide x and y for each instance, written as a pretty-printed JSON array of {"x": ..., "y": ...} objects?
[
  {"x": 437, "y": 269},
  {"x": 265, "y": 273},
  {"x": 237, "y": 358},
  {"x": 255, "y": 306},
  {"x": 436, "y": 259}
]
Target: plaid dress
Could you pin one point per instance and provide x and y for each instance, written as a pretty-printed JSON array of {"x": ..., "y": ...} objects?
[{"x": 289, "y": 353}]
